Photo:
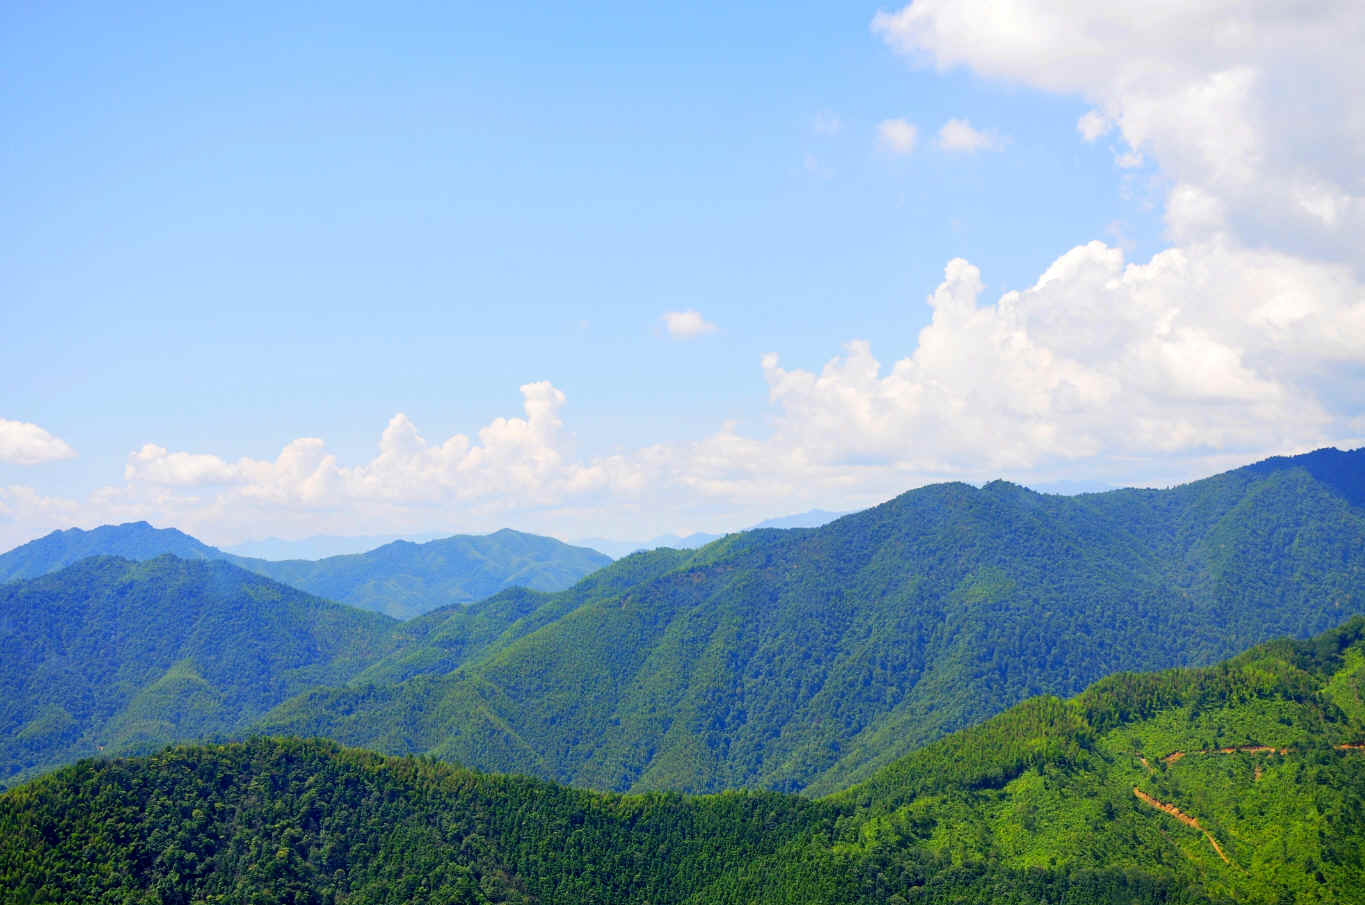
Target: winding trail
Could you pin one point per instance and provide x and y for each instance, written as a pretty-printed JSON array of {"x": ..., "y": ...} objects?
[
  {"x": 1238, "y": 749},
  {"x": 1182, "y": 817},
  {"x": 1244, "y": 749}
]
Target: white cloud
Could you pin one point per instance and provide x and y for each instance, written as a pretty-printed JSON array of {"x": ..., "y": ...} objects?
[
  {"x": 1254, "y": 104},
  {"x": 154, "y": 465},
  {"x": 1095, "y": 360},
  {"x": 1092, "y": 125},
  {"x": 687, "y": 324},
  {"x": 22, "y": 443},
  {"x": 1248, "y": 334},
  {"x": 897, "y": 135},
  {"x": 25, "y": 506},
  {"x": 959, "y": 135}
]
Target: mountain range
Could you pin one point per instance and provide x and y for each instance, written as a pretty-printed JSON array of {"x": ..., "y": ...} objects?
[
  {"x": 803, "y": 659},
  {"x": 400, "y": 579}
]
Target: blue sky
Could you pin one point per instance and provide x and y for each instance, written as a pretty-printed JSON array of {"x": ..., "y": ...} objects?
[{"x": 220, "y": 234}]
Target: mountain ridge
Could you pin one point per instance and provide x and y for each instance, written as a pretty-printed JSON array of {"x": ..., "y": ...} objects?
[{"x": 400, "y": 579}]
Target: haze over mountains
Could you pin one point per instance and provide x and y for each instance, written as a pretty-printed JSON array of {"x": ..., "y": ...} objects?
[
  {"x": 321, "y": 546},
  {"x": 616, "y": 549},
  {"x": 401, "y": 579},
  {"x": 796, "y": 660}
]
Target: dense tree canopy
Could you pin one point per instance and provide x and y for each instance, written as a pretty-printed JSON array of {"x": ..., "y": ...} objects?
[{"x": 1037, "y": 805}]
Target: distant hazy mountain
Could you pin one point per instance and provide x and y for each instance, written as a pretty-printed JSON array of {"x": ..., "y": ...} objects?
[
  {"x": 133, "y": 540},
  {"x": 813, "y": 518},
  {"x": 112, "y": 655},
  {"x": 1239, "y": 783},
  {"x": 321, "y": 546},
  {"x": 400, "y": 579},
  {"x": 806, "y": 658},
  {"x": 1071, "y": 488},
  {"x": 619, "y": 548}
]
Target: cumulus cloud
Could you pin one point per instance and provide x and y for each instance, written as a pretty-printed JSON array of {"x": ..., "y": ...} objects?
[
  {"x": 1248, "y": 333},
  {"x": 1092, "y": 125},
  {"x": 1097, "y": 358},
  {"x": 898, "y": 136},
  {"x": 958, "y": 135},
  {"x": 154, "y": 465},
  {"x": 687, "y": 324},
  {"x": 1252, "y": 103},
  {"x": 22, "y": 443}
]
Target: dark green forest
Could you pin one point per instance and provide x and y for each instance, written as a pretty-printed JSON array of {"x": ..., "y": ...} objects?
[{"x": 1043, "y": 803}]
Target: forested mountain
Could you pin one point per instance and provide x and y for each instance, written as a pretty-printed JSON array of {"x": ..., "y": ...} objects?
[
  {"x": 1242, "y": 783},
  {"x": 805, "y": 659},
  {"x": 403, "y": 579},
  {"x": 115, "y": 655},
  {"x": 400, "y": 579},
  {"x": 132, "y": 540}
]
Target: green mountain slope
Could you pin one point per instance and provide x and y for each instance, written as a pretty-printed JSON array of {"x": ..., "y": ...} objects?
[
  {"x": 805, "y": 659},
  {"x": 400, "y": 579},
  {"x": 1083, "y": 802},
  {"x": 120, "y": 656}
]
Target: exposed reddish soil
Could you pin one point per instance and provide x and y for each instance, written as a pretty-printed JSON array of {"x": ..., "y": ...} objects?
[{"x": 1182, "y": 817}]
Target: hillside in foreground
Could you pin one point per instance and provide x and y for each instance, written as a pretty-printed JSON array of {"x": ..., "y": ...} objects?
[{"x": 1243, "y": 782}]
